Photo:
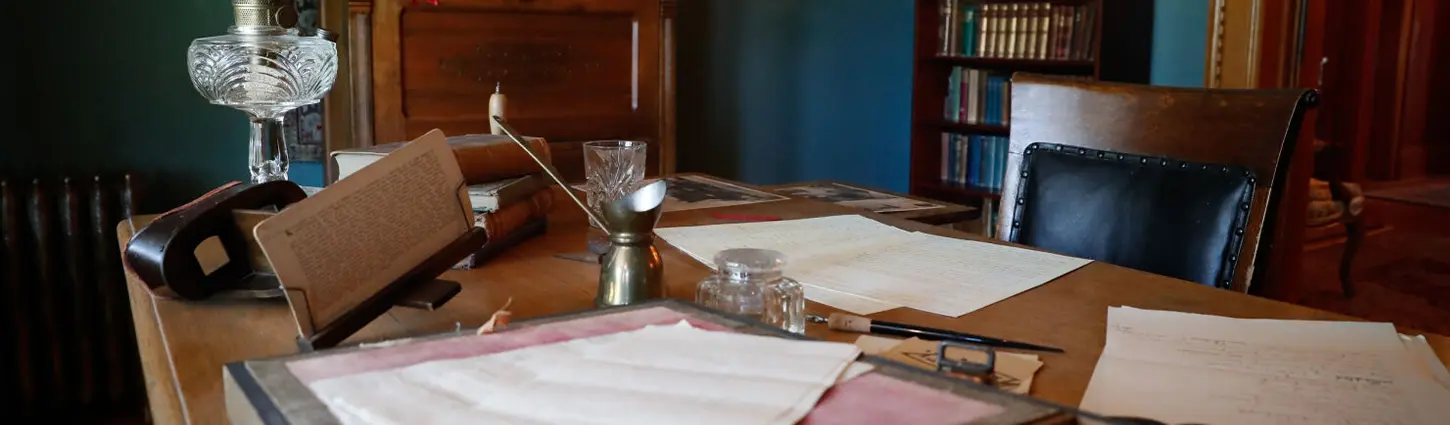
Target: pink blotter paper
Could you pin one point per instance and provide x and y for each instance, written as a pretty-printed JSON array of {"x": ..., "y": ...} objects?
[{"x": 857, "y": 401}]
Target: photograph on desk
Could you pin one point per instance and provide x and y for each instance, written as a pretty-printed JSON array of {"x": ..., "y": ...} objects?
[
  {"x": 694, "y": 191},
  {"x": 856, "y": 197}
]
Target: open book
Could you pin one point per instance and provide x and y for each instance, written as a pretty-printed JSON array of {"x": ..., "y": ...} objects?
[{"x": 338, "y": 248}]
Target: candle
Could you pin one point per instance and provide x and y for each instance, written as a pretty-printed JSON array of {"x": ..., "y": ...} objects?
[{"x": 496, "y": 104}]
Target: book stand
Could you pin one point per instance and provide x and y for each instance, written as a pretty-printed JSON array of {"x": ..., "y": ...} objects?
[
  {"x": 164, "y": 255},
  {"x": 418, "y": 288}
]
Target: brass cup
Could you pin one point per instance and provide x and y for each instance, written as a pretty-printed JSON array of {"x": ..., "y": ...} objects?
[{"x": 632, "y": 271}]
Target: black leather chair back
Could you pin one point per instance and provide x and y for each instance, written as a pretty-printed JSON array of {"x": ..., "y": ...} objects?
[
  {"x": 1160, "y": 215},
  {"x": 1182, "y": 182}
]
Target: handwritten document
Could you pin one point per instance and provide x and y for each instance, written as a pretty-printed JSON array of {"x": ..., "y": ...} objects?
[
  {"x": 655, "y": 375},
  {"x": 1191, "y": 368},
  {"x": 344, "y": 244},
  {"x": 862, "y": 266}
]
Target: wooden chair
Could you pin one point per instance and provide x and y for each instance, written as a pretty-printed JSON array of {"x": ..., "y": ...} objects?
[{"x": 1176, "y": 181}]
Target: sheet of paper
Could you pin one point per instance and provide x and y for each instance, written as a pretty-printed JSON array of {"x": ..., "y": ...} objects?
[
  {"x": 802, "y": 241},
  {"x": 854, "y": 370},
  {"x": 871, "y": 267},
  {"x": 1012, "y": 372},
  {"x": 655, "y": 375},
  {"x": 344, "y": 244},
  {"x": 1191, "y": 368},
  {"x": 1425, "y": 357},
  {"x": 937, "y": 274}
]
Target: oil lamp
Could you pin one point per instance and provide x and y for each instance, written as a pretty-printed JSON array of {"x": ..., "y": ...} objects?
[{"x": 265, "y": 68}]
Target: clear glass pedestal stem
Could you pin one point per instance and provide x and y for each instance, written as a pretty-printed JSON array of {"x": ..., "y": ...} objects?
[{"x": 267, "y": 150}]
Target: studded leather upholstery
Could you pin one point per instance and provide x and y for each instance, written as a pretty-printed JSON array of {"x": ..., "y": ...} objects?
[{"x": 1160, "y": 215}]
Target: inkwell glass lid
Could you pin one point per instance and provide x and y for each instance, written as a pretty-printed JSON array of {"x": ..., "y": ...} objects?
[{"x": 750, "y": 264}]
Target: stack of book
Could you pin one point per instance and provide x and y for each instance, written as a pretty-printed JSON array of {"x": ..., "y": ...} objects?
[
  {"x": 510, "y": 195},
  {"x": 1034, "y": 31}
]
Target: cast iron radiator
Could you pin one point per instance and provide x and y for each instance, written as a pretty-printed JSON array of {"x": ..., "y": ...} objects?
[{"x": 71, "y": 350}]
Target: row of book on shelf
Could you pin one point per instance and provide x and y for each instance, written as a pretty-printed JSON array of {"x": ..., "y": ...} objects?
[
  {"x": 1040, "y": 31},
  {"x": 976, "y": 96},
  {"x": 973, "y": 160}
]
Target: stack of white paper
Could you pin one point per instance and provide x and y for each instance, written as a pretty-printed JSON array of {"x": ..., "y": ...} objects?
[
  {"x": 656, "y": 375},
  {"x": 1191, "y": 368},
  {"x": 862, "y": 266}
]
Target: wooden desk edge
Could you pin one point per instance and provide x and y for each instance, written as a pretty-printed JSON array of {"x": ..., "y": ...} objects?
[{"x": 169, "y": 405}]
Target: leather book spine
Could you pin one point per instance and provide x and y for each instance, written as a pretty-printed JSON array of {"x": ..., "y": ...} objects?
[
  {"x": 513, "y": 216},
  {"x": 487, "y": 163},
  {"x": 495, "y": 246}
]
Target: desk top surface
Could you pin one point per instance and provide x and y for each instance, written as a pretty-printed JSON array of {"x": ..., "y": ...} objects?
[{"x": 184, "y": 345}]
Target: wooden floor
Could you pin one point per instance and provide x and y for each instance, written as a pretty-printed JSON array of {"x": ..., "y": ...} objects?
[{"x": 1402, "y": 273}]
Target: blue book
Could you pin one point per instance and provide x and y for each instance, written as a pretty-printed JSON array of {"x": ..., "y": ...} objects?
[
  {"x": 1001, "y": 161},
  {"x": 995, "y": 109},
  {"x": 991, "y": 163},
  {"x": 961, "y": 173},
  {"x": 964, "y": 142},
  {"x": 982, "y": 161},
  {"x": 1001, "y": 164},
  {"x": 996, "y": 101},
  {"x": 988, "y": 116},
  {"x": 951, "y": 145},
  {"x": 989, "y": 148},
  {"x": 974, "y": 157},
  {"x": 991, "y": 116},
  {"x": 969, "y": 31}
]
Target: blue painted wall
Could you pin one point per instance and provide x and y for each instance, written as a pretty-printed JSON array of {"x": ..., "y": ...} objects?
[
  {"x": 1180, "y": 36},
  {"x": 775, "y": 91},
  {"x": 306, "y": 173}
]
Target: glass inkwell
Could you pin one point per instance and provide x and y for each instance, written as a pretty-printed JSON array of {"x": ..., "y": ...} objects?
[
  {"x": 264, "y": 68},
  {"x": 751, "y": 282}
]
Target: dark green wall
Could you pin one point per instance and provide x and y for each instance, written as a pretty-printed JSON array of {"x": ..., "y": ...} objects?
[
  {"x": 773, "y": 91},
  {"x": 103, "y": 88}
]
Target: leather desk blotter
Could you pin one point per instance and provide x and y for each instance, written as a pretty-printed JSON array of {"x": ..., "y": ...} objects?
[{"x": 274, "y": 391}]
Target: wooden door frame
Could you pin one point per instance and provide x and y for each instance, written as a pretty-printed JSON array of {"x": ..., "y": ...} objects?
[
  {"x": 1232, "y": 44},
  {"x": 1255, "y": 44},
  {"x": 338, "y": 114}
]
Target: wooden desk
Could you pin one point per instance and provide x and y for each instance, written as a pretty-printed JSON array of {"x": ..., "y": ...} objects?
[{"x": 184, "y": 345}]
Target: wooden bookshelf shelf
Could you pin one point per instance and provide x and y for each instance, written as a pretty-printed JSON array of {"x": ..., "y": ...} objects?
[
  {"x": 1069, "y": 67},
  {"x": 964, "y": 128},
  {"x": 947, "y": 83},
  {"x": 947, "y": 192}
]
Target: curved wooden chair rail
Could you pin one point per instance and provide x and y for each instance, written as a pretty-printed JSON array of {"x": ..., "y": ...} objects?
[{"x": 1253, "y": 130}]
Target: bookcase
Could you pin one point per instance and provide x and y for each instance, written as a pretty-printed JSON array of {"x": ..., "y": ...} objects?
[{"x": 965, "y": 54}]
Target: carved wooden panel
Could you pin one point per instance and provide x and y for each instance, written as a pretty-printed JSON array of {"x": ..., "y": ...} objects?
[{"x": 573, "y": 71}]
